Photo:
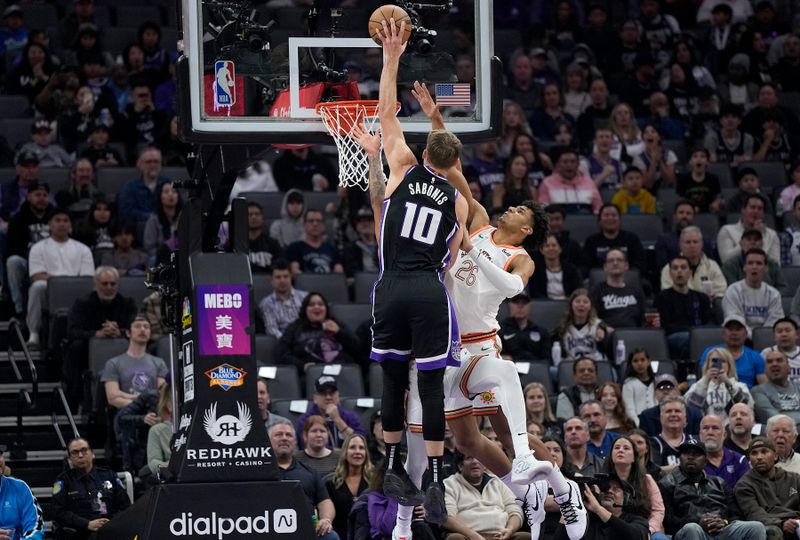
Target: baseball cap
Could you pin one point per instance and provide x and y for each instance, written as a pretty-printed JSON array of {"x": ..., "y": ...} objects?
[
  {"x": 26, "y": 156},
  {"x": 538, "y": 52},
  {"x": 41, "y": 125},
  {"x": 13, "y": 9},
  {"x": 33, "y": 186},
  {"x": 692, "y": 443},
  {"x": 665, "y": 378},
  {"x": 365, "y": 213},
  {"x": 760, "y": 442},
  {"x": 733, "y": 319},
  {"x": 326, "y": 382}
]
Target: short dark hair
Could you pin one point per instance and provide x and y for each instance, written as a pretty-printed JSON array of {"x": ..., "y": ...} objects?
[
  {"x": 311, "y": 211},
  {"x": 731, "y": 109},
  {"x": 251, "y": 204},
  {"x": 559, "y": 209},
  {"x": 57, "y": 212},
  {"x": 540, "y": 223},
  {"x": 557, "y": 151},
  {"x": 632, "y": 169},
  {"x": 756, "y": 251},
  {"x": 750, "y": 196},
  {"x": 581, "y": 359},
  {"x": 680, "y": 258},
  {"x": 683, "y": 202},
  {"x": 123, "y": 228},
  {"x": 280, "y": 264},
  {"x": 605, "y": 206},
  {"x": 697, "y": 149},
  {"x": 784, "y": 320}
]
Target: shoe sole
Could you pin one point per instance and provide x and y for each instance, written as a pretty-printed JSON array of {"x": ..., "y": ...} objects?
[
  {"x": 435, "y": 509},
  {"x": 525, "y": 479},
  {"x": 396, "y": 489}
]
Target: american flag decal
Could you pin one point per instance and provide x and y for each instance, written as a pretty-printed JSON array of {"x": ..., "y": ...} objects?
[{"x": 453, "y": 95}]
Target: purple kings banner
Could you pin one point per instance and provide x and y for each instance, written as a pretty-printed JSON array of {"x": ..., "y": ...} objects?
[{"x": 223, "y": 315}]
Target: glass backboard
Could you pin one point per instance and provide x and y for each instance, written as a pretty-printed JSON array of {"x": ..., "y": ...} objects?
[{"x": 254, "y": 73}]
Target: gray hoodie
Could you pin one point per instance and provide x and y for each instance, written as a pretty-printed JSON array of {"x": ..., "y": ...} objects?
[
  {"x": 771, "y": 399},
  {"x": 287, "y": 229}
]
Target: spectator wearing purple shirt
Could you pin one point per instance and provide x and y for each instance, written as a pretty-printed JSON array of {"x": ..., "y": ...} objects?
[
  {"x": 341, "y": 422},
  {"x": 721, "y": 461}
]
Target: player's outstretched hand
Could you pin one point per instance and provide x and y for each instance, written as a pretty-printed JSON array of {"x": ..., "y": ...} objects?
[
  {"x": 466, "y": 242},
  {"x": 423, "y": 96},
  {"x": 369, "y": 142},
  {"x": 392, "y": 39}
]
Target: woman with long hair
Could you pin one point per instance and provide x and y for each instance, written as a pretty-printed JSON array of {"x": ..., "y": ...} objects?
[
  {"x": 560, "y": 277},
  {"x": 638, "y": 384},
  {"x": 516, "y": 187},
  {"x": 545, "y": 118},
  {"x": 349, "y": 480},
  {"x": 539, "y": 164},
  {"x": 657, "y": 162},
  {"x": 96, "y": 228},
  {"x": 514, "y": 124},
  {"x": 316, "y": 337},
  {"x": 628, "y": 138},
  {"x": 718, "y": 388},
  {"x": 30, "y": 77},
  {"x": 623, "y": 462},
  {"x": 581, "y": 332},
  {"x": 610, "y": 396},
  {"x": 163, "y": 223},
  {"x": 159, "y": 435},
  {"x": 645, "y": 452},
  {"x": 538, "y": 409},
  {"x": 315, "y": 453},
  {"x": 576, "y": 98}
]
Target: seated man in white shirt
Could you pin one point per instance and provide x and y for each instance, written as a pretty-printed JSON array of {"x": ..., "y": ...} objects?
[
  {"x": 729, "y": 236},
  {"x": 58, "y": 255},
  {"x": 751, "y": 299}
]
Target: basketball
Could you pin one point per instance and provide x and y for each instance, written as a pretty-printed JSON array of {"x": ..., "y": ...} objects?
[{"x": 386, "y": 13}]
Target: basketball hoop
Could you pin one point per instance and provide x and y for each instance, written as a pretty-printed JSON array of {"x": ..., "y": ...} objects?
[{"x": 340, "y": 117}]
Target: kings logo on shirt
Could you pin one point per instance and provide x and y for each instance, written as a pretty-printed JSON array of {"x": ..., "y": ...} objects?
[{"x": 226, "y": 376}]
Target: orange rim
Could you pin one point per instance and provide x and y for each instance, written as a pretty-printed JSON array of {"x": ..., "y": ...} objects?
[{"x": 344, "y": 114}]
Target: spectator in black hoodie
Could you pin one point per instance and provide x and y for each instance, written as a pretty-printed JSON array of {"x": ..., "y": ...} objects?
[
  {"x": 26, "y": 228},
  {"x": 611, "y": 236},
  {"x": 303, "y": 169}
]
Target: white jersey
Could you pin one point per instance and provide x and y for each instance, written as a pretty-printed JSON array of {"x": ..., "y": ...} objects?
[
  {"x": 794, "y": 361},
  {"x": 475, "y": 299}
]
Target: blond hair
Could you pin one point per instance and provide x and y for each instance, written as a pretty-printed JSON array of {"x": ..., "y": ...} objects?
[
  {"x": 725, "y": 355},
  {"x": 340, "y": 472},
  {"x": 444, "y": 148}
]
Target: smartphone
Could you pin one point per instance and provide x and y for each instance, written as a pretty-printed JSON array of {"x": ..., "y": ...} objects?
[{"x": 716, "y": 363}]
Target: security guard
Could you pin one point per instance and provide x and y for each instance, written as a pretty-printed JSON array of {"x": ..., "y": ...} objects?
[{"x": 86, "y": 497}]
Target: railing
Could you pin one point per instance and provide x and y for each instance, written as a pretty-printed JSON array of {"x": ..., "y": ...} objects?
[
  {"x": 25, "y": 398},
  {"x": 60, "y": 399}
]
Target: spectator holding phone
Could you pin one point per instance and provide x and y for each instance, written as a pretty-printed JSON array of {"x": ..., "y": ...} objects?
[{"x": 718, "y": 389}]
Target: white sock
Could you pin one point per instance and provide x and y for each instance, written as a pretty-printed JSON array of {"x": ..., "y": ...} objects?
[
  {"x": 518, "y": 490},
  {"x": 558, "y": 482},
  {"x": 33, "y": 337},
  {"x": 404, "y": 515}
]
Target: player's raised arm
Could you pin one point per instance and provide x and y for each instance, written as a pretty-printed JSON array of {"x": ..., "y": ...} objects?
[
  {"x": 398, "y": 154},
  {"x": 377, "y": 180}
]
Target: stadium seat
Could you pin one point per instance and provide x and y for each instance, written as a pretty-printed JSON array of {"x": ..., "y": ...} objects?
[
  {"x": 17, "y": 131},
  {"x": 266, "y": 350},
  {"x": 659, "y": 367},
  {"x": 56, "y": 177},
  {"x": 62, "y": 292},
  {"x": 679, "y": 147},
  {"x": 535, "y": 372},
  {"x": 709, "y": 224},
  {"x": 352, "y": 315},
  {"x": 792, "y": 276},
  {"x": 14, "y": 107},
  {"x": 175, "y": 173},
  {"x": 648, "y": 227},
  {"x": 597, "y": 275},
  {"x": 271, "y": 203},
  {"x": 162, "y": 348},
  {"x": 365, "y": 407},
  {"x": 134, "y": 287},
  {"x": 605, "y": 373},
  {"x": 39, "y": 15},
  {"x": 292, "y": 409},
  {"x": 262, "y": 287},
  {"x": 581, "y": 227},
  {"x": 762, "y": 338},
  {"x": 332, "y": 286},
  {"x": 101, "y": 349},
  {"x": 701, "y": 338},
  {"x": 110, "y": 180},
  {"x": 786, "y": 302},
  {"x": 364, "y": 283},
  {"x": 284, "y": 382},
  {"x": 348, "y": 378},
  {"x": 724, "y": 173},
  {"x": 770, "y": 173},
  {"x": 134, "y": 15},
  {"x": 319, "y": 200},
  {"x": 375, "y": 379},
  {"x": 650, "y": 339},
  {"x": 116, "y": 38},
  {"x": 547, "y": 314}
]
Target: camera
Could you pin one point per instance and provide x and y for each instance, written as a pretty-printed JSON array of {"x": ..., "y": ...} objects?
[
  {"x": 601, "y": 480},
  {"x": 423, "y": 39},
  {"x": 162, "y": 277}
]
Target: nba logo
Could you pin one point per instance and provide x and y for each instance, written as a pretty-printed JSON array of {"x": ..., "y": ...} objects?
[{"x": 224, "y": 85}]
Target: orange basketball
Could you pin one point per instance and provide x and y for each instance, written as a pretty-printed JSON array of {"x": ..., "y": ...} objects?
[{"x": 386, "y": 13}]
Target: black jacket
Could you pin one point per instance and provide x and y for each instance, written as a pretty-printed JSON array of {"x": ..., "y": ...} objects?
[
  {"x": 685, "y": 502},
  {"x": 25, "y": 229},
  {"x": 537, "y": 286},
  {"x": 529, "y": 343},
  {"x": 88, "y": 314},
  {"x": 625, "y": 527},
  {"x": 301, "y": 344},
  {"x": 597, "y": 246},
  {"x": 650, "y": 421},
  {"x": 76, "y": 502}
]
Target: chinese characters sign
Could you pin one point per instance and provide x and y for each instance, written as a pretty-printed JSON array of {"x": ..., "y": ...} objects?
[{"x": 223, "y": 315}]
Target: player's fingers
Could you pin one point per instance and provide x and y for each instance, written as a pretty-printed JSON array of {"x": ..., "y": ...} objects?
[{"x": 402, "y": 30}]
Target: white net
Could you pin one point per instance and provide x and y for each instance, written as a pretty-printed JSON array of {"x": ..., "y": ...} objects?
[{"x": 340, "y": 119}]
